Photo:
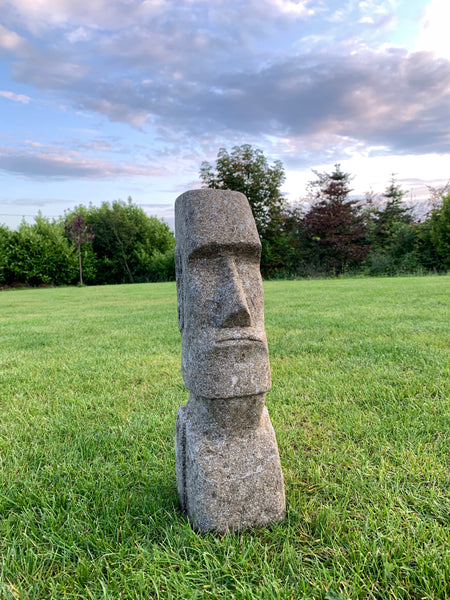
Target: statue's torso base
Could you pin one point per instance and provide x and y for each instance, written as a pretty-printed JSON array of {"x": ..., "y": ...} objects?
[{"x": 228, "y": 468}]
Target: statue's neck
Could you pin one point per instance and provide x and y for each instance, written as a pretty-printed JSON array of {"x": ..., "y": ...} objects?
[{"x": 227, "y": 413}]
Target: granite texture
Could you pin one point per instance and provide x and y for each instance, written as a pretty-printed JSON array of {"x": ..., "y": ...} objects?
[{"x": 228, "y": 469}]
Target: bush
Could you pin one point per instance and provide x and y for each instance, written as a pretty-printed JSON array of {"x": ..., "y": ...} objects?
[
  {"x": 38, "y": 254},
  {"x": 162, "y": 266}
]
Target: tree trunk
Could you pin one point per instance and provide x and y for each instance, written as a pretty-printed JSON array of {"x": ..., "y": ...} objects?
[
  {"x": 79, "y": 263},
  {"x": 127, "y": 268}
]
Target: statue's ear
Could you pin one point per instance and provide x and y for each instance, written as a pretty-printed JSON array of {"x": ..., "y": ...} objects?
[{"x": 180, "y": 288}]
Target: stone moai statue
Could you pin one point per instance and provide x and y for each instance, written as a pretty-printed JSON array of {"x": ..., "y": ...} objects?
[{"x": 228, "y": 468}]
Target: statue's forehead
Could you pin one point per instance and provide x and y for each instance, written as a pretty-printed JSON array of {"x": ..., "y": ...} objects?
[{"x": 207, "y": 218}]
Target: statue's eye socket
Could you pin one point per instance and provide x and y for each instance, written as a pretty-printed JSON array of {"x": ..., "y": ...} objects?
[{"x": 240, "y": 251}]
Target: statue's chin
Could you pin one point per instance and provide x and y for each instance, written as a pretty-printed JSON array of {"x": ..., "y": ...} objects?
[{"x": 228, "y": 370}]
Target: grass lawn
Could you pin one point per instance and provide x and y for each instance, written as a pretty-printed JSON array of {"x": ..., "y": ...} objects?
[{"x": 89, "y": 388}]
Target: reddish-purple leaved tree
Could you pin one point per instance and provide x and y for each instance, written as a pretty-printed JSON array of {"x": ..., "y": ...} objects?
[{"x": 79, "y": 233}]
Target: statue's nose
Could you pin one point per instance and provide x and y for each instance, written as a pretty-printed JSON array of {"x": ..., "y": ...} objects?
[{"x": 235, "y": 311}]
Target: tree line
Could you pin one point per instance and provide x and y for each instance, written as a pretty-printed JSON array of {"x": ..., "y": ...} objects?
[
  {"x": 330, "y": 235},
  {"x": 335, "y": 234},
  {"x": 108, "y": 244}
]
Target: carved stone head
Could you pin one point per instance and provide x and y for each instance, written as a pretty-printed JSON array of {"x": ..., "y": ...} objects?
[{"x": 220, "y": 295}]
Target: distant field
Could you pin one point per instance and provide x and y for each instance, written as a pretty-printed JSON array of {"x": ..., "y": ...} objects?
[{"x": 89, "y": 387}]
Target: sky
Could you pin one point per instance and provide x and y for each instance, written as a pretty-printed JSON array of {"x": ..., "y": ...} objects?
[{"x": 105, "y": 99}]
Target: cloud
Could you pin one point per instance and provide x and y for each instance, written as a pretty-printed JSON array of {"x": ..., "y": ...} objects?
[
  {"x": 43, "y": 15},
  {"x": 293, "y": 7},
  {"x": 54, "y": 163},
  {"x": 384, "y": 98},
  {"x": 44, "y": 70},
  {"x": 10, "y": 41},
  {"x": 28, "y": 202},
  {"x": 79, "y": 35},
  {"x": 191, "y": 70},
  {"x": 388, "y": 98},
  {"x": 434, "y": 31},
  {"x": 367, "y": 20},
  {"x": 40, "y": 16},
  {"x": 117, "y": 108},
  {"x": 22, "y": 98}
]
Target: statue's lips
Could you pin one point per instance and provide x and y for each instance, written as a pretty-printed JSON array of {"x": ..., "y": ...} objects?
[{"x": 231, "y": 341}]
